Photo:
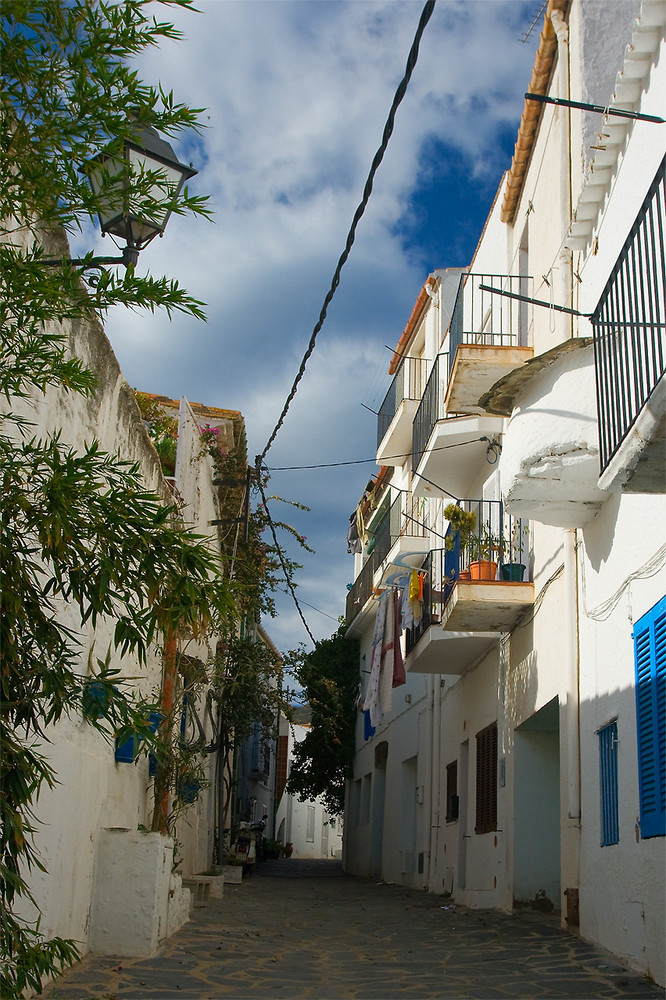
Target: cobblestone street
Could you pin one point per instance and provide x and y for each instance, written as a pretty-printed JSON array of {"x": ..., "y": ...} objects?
[{"x": 303, "y": 929}]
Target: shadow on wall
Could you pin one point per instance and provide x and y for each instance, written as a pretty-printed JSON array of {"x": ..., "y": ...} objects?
[{"x": 521, "y": 687}]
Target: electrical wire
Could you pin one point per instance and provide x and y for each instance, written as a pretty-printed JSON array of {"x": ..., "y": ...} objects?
[
  {"x": 325, "y": 613},
  {"x": 426, "y": 14},
  {"x": 604, "y": 610},
  {"x": 280, "y": 555},
  {"x": 366, "y": 461}
]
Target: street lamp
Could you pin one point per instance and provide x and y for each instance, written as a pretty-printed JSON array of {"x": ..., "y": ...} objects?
[{"x": 136, "y": 218}]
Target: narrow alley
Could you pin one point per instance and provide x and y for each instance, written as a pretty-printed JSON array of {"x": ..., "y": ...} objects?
[{"x": 300, "y": 929}]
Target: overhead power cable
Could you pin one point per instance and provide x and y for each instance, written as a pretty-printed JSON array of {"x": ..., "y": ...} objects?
[
  {"x": 426, "y": 14},
  {"x": 285, "y": 568},
  {"x": 366, "y": 461}
]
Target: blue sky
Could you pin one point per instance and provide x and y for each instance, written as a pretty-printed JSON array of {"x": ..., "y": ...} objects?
[{"x": 297, "y": 94}]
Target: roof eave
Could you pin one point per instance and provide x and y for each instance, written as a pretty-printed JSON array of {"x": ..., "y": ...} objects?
[{"x": 532, "y": 112}]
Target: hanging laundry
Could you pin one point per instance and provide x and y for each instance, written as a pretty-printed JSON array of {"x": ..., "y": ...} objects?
[
  {"x": 387, "y": 656},
  {"x": 373, "y": 698},
  {"x": 398, "y": 664},
  {"x": 416, "y": 595},
  {"x": 354, "y": 543},
  {"x": 360, "y": 526},
  {"x": 406, "y": 616},
  {"x": 368, "y": 728}
]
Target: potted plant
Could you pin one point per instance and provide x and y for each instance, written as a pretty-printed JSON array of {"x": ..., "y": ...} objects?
[
  {"x": 514, "y": 569},
  {"x": 462, "y": 521},
  {"x": 484, "y": 549},
  {"x": 463, "y": 525}
]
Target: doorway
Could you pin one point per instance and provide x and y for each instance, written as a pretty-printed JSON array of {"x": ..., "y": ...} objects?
[{"x": 536, "y": 857}]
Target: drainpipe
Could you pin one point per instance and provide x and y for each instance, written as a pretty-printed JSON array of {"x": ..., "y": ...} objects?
[
  {"x": 435, "y": 781},
  {"x": 571, "y": 847},
  {"x": 565, "y": 260},
  {"x": 161, "y": 810},
  {"x": 427, "y": 783}
]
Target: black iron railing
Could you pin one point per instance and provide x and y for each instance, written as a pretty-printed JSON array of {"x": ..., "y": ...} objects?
[
  {"x": 629, "y": 324},
  {"x": 407, "y": 384},
  {"x": 361, "y": 590},
  {"x": 490, "y": 320},
  {"x": 493, "y": 545},
  {"x": 431, "y": 408},
  {"x": 405, "y": 518}
]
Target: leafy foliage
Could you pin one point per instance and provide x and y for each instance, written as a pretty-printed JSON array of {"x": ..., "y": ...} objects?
[
  {"x": 162, "y": 430},
  {"x": 249, "y": 692},
  {"x": 82, "y": 542},
  {"x": 322, "y": 761},
  {"x": 250, "y": 561}
]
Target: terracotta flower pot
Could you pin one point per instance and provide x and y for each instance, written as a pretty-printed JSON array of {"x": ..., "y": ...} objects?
[
  {"x": 464, "y": 574},
  {"x": 484, "y": 569}
]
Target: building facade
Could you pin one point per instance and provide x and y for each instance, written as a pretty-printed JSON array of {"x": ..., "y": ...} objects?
[
  {"x": 523, "y": 762},
  {"x": 307, "y": 826}
]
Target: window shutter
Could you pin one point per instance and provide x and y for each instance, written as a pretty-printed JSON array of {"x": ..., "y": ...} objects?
[
  {"x": 610, "y": 824},
  {"x": 486, "y": 779},
  {"x": 452, "y": 801},
  {"x": 650, "y": 657}
]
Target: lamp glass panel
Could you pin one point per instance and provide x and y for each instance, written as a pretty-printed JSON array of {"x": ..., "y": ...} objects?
[{"x": 122, "y": 211}]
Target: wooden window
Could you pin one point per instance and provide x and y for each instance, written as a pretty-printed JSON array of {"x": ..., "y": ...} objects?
[
  {"x": 486, "y": 779},
  {"x": 452, "y": 801}
]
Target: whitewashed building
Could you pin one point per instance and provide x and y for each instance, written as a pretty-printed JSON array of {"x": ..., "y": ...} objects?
[
  {"x": 307, "y": 826},
  {"x": 109, "y": 883},
  {"x": 524, "y": 761}
]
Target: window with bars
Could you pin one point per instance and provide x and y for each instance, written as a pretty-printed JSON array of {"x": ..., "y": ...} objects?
[
  {"x": 486, "y": 779},
  {"x": 452, "y": 800},
  {"x": 610, "y": 822},
  {"x": 650, "y": 659}
]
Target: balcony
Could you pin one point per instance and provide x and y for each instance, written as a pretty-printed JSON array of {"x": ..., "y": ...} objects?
[
  {"x": 360, "y": 593},
  {"x": 630, "y": 356},
  {"x": 396, "y": 414},
  {"x": 435, "y": 432},
  {"x": 489, "y": 336},
  {"x": 396, "y": 546},
  {"x": 475, "y": 588}
]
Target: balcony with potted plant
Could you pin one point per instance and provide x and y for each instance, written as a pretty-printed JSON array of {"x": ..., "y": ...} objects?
[{"x": 475, "y": 588}]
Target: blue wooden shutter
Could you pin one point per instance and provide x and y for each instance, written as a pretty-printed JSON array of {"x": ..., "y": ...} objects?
[
  {"x": 650, "y": 654},
  {"x": 610, "y": 825}
]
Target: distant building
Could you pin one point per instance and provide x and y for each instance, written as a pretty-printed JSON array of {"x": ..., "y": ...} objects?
[{"x": 307, "y": 826}]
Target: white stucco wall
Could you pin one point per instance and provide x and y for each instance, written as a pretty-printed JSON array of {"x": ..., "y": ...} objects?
[
  {"x": 94, "y": 791},
  {"x": 623, "y": 889}
]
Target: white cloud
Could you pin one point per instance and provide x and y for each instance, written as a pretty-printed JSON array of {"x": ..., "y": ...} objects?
[{"x": 297, "y": 95}]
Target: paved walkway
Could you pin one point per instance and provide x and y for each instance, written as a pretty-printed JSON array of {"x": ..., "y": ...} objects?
[{"x": 300, "y": 929}]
